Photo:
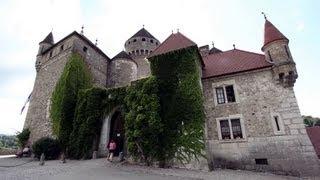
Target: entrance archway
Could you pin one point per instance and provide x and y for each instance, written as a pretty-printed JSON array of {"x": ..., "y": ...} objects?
[
  {"x": 112, "y": 128},
  {"x": 116, "y": 132}
]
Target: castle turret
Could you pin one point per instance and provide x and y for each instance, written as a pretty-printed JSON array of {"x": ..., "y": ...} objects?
[
  {"x": 277, "y": 52},
  {"x": 43, "y": 46},
  {"x": 139, "y": 46}
]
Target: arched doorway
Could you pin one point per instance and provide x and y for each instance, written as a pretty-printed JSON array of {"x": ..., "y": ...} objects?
[
  {"x": 117, "y": 132},
  {"x": 112, "y": 128}
]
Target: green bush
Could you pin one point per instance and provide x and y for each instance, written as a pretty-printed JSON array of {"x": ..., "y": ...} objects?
[
  {"x": 50, "y": 147},
  {"x": 23, "y": 137}
]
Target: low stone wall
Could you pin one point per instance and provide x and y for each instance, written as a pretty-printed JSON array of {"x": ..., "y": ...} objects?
[{"x": 7, "y": 151}]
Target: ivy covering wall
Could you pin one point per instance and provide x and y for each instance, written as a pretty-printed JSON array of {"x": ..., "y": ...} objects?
[
  {"x": 164, "y": 118},
  {"x": 181, "y": 103},
  {"x": 74, "y": 77}
]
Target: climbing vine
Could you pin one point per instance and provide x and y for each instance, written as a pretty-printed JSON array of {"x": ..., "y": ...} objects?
[
  {"x": 181, "y": 102},
  {"x": 75, "y": 77}
]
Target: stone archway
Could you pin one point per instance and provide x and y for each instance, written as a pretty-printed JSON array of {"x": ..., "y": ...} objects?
[{"x": 112, "y": 128}]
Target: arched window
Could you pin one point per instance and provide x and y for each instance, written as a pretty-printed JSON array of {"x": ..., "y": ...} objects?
[
  {"x": 137, "y": 52},
  {"x": 147, "y": 51},
  {"x": 143, "y": 39},
  {"x": 132, "y": 52},
  {"x": 141, "y": 51}
]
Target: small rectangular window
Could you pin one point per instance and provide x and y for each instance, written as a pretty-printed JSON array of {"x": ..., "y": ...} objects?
[
  {"x": 281, "y": 77},
  {"x": 236, "y": 128},
  {"x": 276, "y": 120},
  {"x": 220, "y": 95},
  {"x": 50, "y": 54},
  {"x": 270, "y": 56},
  {"x": 262, "y": 161},
  {"x": 230, "y": 94},
  {"x": 287, "y": 51},
  {"x": 85, "y": 49},
  {"x": 61, "y": 47},
  {"x": 225, "y": 129}
]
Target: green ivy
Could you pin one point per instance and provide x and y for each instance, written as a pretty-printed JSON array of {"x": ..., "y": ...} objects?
[
  {"x": 75, "y": 77},
  {"x": 181, "y": 102},
  {"x": 93, "y": 104},
  {"x": 143, "y": 124}
]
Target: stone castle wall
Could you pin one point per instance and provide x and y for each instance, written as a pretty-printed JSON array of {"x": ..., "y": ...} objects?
[
  {"x": 38, "y": 115},
  {"x": 258, "y": 99},
  {"x": 121, "y": 72}
]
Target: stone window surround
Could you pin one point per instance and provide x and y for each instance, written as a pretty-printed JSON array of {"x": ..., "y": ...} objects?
[
  {"x": 224, "y": 84},
  {"x": 280, "y": 123},
  {"x": 235, "y": 116}
]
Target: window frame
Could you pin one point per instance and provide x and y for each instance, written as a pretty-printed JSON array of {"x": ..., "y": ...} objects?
[
  {"x": 229, "y": 118},
  {"x": 224, "y": 84}
]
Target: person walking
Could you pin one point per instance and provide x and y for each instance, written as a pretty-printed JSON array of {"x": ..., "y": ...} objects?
[{"x": 111, "y": 147}]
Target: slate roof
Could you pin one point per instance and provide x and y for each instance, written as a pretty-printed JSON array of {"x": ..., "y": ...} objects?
[
  {"x": 271, "y": 33},
  {"x": 174, "y": 42},
  {"x": 232, "y": 61},
  {"x": 122, "y": 55},
  {"x": 143, "y": 33},
  {"x": 314, "y": 135},
  {"x": 48, "y": 39}
]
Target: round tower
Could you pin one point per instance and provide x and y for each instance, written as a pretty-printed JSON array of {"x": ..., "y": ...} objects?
[
  {"x": 122, "y": 70},
  {"x": 139, "y": 46},
  {"x": 277, "y": 52}
]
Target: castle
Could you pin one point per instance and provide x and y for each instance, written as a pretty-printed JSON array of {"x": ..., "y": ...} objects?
[{"x": 252, "y": 117}]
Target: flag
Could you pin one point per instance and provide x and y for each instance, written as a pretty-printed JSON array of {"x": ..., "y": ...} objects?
[{"x": 28, "y": 99}]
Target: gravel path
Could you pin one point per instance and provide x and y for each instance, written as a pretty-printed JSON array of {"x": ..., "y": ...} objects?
[{"x": 100, "y": 169}]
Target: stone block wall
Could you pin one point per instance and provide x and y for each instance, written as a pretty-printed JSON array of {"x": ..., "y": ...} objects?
[
  {"x": 258, "y": 99},
  {"x": 38, "y": 115},
  {"x": 121, "y": 72}
]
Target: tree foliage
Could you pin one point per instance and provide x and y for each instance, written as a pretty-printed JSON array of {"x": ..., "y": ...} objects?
[
  {"x": 23, "y": 137},
  {"x": 50, "y": 147},
  {"x": 75, "y": 77}
]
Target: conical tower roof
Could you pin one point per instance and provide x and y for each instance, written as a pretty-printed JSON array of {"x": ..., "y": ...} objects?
[
  {"x": 271, "y": 33},
  {"x": 122, "y": 55},
  {"x": 48, "y": 39},
  {"x": 173, "y": 42},
  {"x": 143, "y": 33}
]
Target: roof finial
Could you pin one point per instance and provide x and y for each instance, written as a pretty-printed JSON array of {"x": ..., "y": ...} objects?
[
  {"x": 142, "y": 25},
  {"x": 264, "y": 15},
  {"x": 177, "y": 29},
  {"x": 51, "y": 29},
  {"x": 234, "y": 46},
  {"x": 82, "y": 27},
  {"x": 96, "y": 42},
  {"x": 171, "y": 31},
  {"x": 212, "y": 44}
]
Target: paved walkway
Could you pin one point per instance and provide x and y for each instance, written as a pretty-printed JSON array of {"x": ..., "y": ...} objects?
[{"x": 100, "y": 169}]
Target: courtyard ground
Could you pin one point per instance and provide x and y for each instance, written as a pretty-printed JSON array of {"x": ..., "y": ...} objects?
[{"x": 12, "y": 168}]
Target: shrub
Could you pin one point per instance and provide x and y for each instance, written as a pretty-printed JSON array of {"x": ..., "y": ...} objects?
[
  {"x": 23, "y": 137},
  {"x": 50, "y": 147}
]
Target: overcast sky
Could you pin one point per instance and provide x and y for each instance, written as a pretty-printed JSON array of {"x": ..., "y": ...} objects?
[{"x": 24, "y": 23}]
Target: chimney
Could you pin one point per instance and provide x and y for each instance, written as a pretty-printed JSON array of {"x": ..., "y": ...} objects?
[{"x": 204, "y": 50}]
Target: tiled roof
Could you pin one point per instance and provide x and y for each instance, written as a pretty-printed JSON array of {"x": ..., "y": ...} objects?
[
  {"x": 232, "y": 61},
  {"x": 48, "y": 39},
  {"x": 122, "y": 55},
  {"x": 271, "y": 33},
  {"x": 314, "y": 135},
  {"x": 173, "y": 42},
  {"x": 143, "y": 33}
]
